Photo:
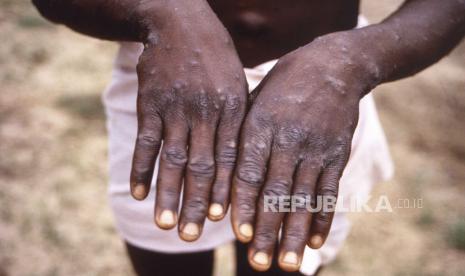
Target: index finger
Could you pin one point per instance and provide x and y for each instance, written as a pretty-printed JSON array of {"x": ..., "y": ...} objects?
[{"x": 146, "y": 150}]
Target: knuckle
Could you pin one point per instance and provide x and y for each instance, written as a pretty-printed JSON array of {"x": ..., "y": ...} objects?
[
  {"x": 277, "y": 187},
  {"x": 220, "y": 189},
  {"x": 295, "y": 234},
  {"x": 175, "y": 112},
  {"x": 255, "y": 146},
  {"x": 168, "y": 191},
  {"x": 304, "y": 199},
  {"x": 175, "y": 156},
  {"x": 197, "y": 204},
  {"x": 201, "y": 167},
  {"x": 301, "y": 193},
  {"x": 257, "y": 120},
  {"x": 251, "y": 173},
  {"x": 194, "y": 207},
  {"x": 141, "y": 171},
  {"x": 288, "y": 138},
  {"x": 337, "y": 156},
  {"x": 246, "y": 208},
  {"x": 234, "y": 104},
  {"x": 316, "y": 144},
  {"x": 324, "y": 218},
  {"x": 148, "y": 140},
  {"x": 202, "y": 105},
  {"x": 227, "y": 155},
  {"x": 265, "y": 235},
  {"x": 148, "y": 108},
  {"x": 329, "y": 190}
]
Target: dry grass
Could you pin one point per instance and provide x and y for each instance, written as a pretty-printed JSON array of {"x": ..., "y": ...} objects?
[{"x": 54, "y": 218}]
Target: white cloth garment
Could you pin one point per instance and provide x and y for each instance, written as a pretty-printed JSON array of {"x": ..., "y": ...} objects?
[{"x": 369, "y": 163}]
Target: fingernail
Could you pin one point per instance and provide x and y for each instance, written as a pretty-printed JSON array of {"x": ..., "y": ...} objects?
[
  {"x": 246, "y": 230},
  {"x": 190, "y": 231},
  {"x": 215, "y": 210},
  {"x": 316, "y": 241},
  {"x": 291, "y": 258},
  {"x": 139, "y": 191},
  {"x": 167, "y": 219},
  {"x": 260, "y": 258}
]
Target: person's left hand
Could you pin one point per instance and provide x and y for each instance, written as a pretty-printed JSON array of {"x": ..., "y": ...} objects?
[{"x": 296, "y": 140}]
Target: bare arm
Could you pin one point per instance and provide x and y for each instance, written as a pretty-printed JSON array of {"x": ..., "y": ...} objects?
[
  {"x": 304, "y": 152},
  {"x": 417, "y": 35},
  {"x": 122, "y": 20},
  {"x": 192, "y": 96}
]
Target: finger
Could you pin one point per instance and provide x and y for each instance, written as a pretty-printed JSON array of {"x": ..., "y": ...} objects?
[
  {"x": 173, "y": 159},
  {"x": 200, "y": 172},
  {"x": 327, "y": 191},
  {"x": 269, "y": 213},
  {"x": 145, "y": 152},
  {"x": 297, "y": 223},
  {"x": 248, "y": 178},
  {"x": 225, "y": 156}
]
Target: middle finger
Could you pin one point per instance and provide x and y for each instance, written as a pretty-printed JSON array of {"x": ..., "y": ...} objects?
[{"x": 199, "y": 176}]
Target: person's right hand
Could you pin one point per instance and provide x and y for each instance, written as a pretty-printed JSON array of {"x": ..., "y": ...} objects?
[{"x": 192, "y": 96}]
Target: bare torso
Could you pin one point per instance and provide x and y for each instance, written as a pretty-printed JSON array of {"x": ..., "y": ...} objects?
[{"x": 267, "y": 29}]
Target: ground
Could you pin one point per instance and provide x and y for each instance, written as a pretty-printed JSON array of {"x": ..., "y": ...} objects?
[{"x": 54, "y": 218}]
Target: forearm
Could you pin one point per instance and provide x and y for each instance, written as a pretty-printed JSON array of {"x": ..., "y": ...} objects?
[
  {"x": 416, "y": 36},
  {"x": 121, "y": 20}
]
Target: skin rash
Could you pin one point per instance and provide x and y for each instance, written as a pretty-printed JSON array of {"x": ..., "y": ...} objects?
[{"x": 193, "y": 97}]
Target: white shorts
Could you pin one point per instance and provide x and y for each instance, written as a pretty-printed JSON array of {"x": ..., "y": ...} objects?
[{"x": 369, "y": 163}]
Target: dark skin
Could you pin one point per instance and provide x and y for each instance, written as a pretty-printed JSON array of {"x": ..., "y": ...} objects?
[{"x": 193, "y": 97}]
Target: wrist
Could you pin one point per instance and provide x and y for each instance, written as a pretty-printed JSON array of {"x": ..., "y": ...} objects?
[
  {"x": 368, "y": 53},
  {"x": 348, "y": 57},
  {"x": 167, "y": 17},
  {"x": 381, "y": 49}
]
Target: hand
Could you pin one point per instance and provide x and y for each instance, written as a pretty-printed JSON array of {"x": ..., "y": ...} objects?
[
  {"x": 296, "y": 140},
  {"x": 192, "y": 96}
]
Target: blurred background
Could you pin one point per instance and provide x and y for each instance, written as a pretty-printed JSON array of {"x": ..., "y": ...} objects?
[{"x": 54, "y": 218}]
